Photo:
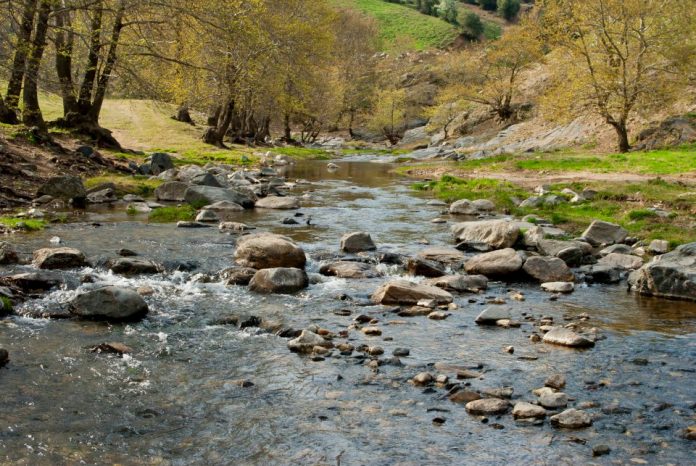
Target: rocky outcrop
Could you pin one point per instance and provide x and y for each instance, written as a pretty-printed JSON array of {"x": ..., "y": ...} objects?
[
  {"x": 59, "y": 258},
  {"x": 279, "y": 280},
  {"x": 267, "y": 250},
  {"x": 498, "y": 234},
  {"x": 548, "y": 269},
  {"x": 348, "y": 269},
  {"x": 109, "y": 303},
  {"x": 358, "y": 241},
  {"x": 499, "y": 263},
  {"x": 405, "y": 292},
  {"x": 278, "y": 203},
  {"x": 600, "y": 232},
  {"x": 671, "y": 275}
]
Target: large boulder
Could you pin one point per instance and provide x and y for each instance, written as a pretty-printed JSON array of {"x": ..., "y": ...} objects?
[
  {"x": 279, "y": 280},
  {"x": 460, "y": 283},
  {"x": 622, "y": 261},
  {"x": 495, "y": 263},
  {"x": 203, "y": 195},
  {"x": 548, "y": 269},
  {"x": 133, "y": 266},
  {"x": 279, "y": 203},
  {"x": 174, "y": 191},
  {"x": 160, "y": 162},
  {"x": 600, "y": 232},
  {"x": 498, "y": 234},
  {"x": 348, "y": 269},
  {"x": 573, "y": 253},
  {"x": 59, "y": 258},
  {"x": 671, "y": 275},
  {"x": 405, "y": 292},
  {"x": 357, "y": 241},
  {"x": 68, "y": 188},
  {"x": 109, "y": 303},
  {"x": 267, "y": 250},
  {"x": 32, "y": 281},
  {"x": 8, "y": 255}
]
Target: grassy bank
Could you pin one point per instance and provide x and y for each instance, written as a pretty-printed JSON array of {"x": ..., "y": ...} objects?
[
  {"x": 624, "y": 203},
  {"x": 25, "y": 224}
]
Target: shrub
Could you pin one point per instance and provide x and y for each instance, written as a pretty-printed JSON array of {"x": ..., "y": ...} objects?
[
  {"x": 489, "y": 5},
  {"x": 472, "y": 26},
  {"x": 508, "y": 9}
]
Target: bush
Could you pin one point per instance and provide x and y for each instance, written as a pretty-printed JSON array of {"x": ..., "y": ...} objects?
[
  {"x": 472, "y": 26},
  {"x": 508, "y": 9},
  {"x": 489, "y": 5}
]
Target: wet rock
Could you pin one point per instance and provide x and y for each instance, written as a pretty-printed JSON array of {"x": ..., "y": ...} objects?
[
  {"x": 423, "y": 267},
  {"x": 464, "y": 396},
  {"x": 348, "y": 269},
  {"x": 438, "y": 315},
  {"x": 278, "y": 203},
  {"x": 224, "y": 210},
  {"x": 173, "y": 191},
  {"x": 126, "y": 252},
  {"x": 493, "y": 314},
  {"x": 658, "y": 246},
  {"x": 571, "y": 419},
  {"x": 401, "y": 352},
  {"x": 625, "y": 261},
  {"x": 374, "y": 350},
  {"x": 234, "y": 227},
  {"x": 266, "y": 250},
  {"x": 548, "y": 269},
  {"x": 487, "y": 406},
  {"x": 565, "y": 337},
  {"x": 8, "y": 255},
  {"x": 671, "y": 275},
  {"x": 238, "y": 275},
  {"x": 553, "y": 400},
  {"x": 207, "y": 216},
  {"x": 689, "y": 432},
  {"x": 109, "y": 303},
  {"x": 442, "y": 255},
  {"x": 600, "y": 450},
  {"x": 192, "y": 225},
  {"x": 555, "y": 381},
  {"x": 424, "y": 378},
  {"x": 504, "y": 392},
  {"x": 602, "y": 273},
  {"x": 133, "y": 266},
  {"x": 279, "y": 280},
  {"x": 306, "y": 342},
  {"x": 524, "y": 410},
  {"x": 405, "y": 292},
  {"x": 357, "y": 242},
  {"x": 33, "y": 281},
  {"x": 558, "y": 287},
  {"x": 495, "y": 264},
  {"x": 67, "y": 188},
  {"x": 112, "y": 348},
  {"x": 498, "y": 234},
  {"x": 372, "y": 331},
  {"x": 59, "y": 258},
  {"x": 204, "y": 195},
  {"x": 460, "y": 283},
  {"x": 600, "y": 232},
  {"x": 473, "y": 246}
]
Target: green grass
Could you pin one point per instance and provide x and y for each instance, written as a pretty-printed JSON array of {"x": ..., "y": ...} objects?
[
  {"x": 303, "y": 153},
  {"x": 125, "y": 184},
  {"x": 172, "y": 214},
  {"x": 657, "y": 162},
  {"x": 26, "y": 224},
  {"x": 6, "y": 305},
  {"x": 402, "y": 28},
  {"x": 616, "y": 202},
  {"x": 236, "y": 155}
]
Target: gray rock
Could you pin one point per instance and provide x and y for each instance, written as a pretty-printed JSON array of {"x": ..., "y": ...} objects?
[
  {"x": 59, "y": 258},
  {"x": 225, "y": 210},
  {"x": 671, "y": 275},
  {"x": 133, "y": 266},
  {"x": 348, "y": 269},
  {"x": 565, "y": 337},
  {"x": 658, "y": 246},
  {"x": 207, "y": 216},
  {"x": 557, "y": 381},
  {"x": 67, "y": 188},
  {"x": 160, "y": 162},
  {"x": 234, "y": 227},
  {"x": 524, "y": 410},
  {"x": 103, "y": 196},
  {"x": 571, "y": 419},
  {"x": 423, "y": 267},
  {"x": 203, "y": 195},
  {"x": 405, "y": 292},
  {"x": 357, "y": 242},
  {"x": 279, "y": 203},
  {"x": 467, "y": 207},
  {"x": 495, "y": 264},
  {"x": 558, "y": 287},
  {"x": 498, "y": 234},
  {"x": 624, "y": 261},
  {"x": 493, "y": 314},
  {"x": 205, "y": 179},
  {"x": 443, "y": 255},
  {"x": 31, "y": 281},
  {"x": 306, "y": 342},
  {"x": 8, "y": 255},
  {"x": 460, "y": 283},
  {"x": 487, "y": 406},
  {"x": 553, "y": 400},
  {"x": 279, "y": 280},
  {"x": 174, "y": 191},
  {"x": 600, "y": 232},
  {"x": 603, "y": 273},
  {"x": 238, "y": 275},
  {"x": 185, "y": 224},
  {"x": 548, "y": 269},
  {"x": 266, "y": 250},
  {"x": 616, "y": 248},
  {"x": 109, "y": 303}
]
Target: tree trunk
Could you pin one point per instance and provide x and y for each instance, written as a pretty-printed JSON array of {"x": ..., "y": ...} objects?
[
  {"x": 7, "y": 115},
  {"x": 64, "y": 56},
  {"x": 14, "y": 86},
  {"x": 183, "y": 115},
  {"x": 103, "y": 82},
  {"x": 622, "y": 135},
  {"x": 85, "y": 96},
  {"x": 350, "y": 123},
  {"x": 31, "y": 114},
  {"x": 215, "y": 135},
  {"x": 287, "y": 130}
]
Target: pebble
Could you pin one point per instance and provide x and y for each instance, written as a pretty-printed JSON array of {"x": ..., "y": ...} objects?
[
  {"x": 438, "y": 315},
  {"x": 375, "y": 350},
  {"x": 524, "y": 410},
  {"x": 509, "y": 349},
  {"x": 372, "y": 331},
  {"x": 424, "y": 378},
  {"x": 401, "y": 352},
  {"x": 600, "y": 450}
]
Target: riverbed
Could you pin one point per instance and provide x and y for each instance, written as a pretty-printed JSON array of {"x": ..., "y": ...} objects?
[{"x": 197, "y": 391}]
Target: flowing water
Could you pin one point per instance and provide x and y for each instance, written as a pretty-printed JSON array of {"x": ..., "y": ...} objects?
[{"x": 176, "y": 399}]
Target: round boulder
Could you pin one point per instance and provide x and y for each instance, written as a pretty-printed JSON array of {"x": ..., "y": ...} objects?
[
  {"x": 279, "y": 280},
  {"x": 548, "y": 269},
  {"x": 267, "y": 250},
  {"x": 357, "y": 242},
  {"x": 109, "y": 303},
  {"x": 59, "y": 258}
]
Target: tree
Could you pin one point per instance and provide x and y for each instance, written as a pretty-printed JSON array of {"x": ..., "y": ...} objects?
[
  {"x": 31, "y": 113},
  {"x": 22, "y": 50},
  {"x": 389, "y": 115},
  {"x": 472, "y": 26},
  {"x": 614, "y": 58},
  {"x": 449, "y": 105},
  {"x": 508, "y": 9},
  {"x": 490, "y": 5},
  {"x": 497, "y": 70},
  {"x": 448, "y": 11}
]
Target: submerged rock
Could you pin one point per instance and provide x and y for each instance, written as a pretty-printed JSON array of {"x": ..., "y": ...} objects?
[
  {"x": 565, "y": 337},
  {"x": 491, "y": 315},
  {"x": 267, "y": 250},
  {"x": 279, "y": 280},
  {"x": 405, "y": 292},
  {"x": 109, "y": 303},
  {"x": 498, "y": 234},
  {"x": 671, "y": 275},
  {"x": 357, "y": 242},
  {"x": 59, "y": 258}
]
